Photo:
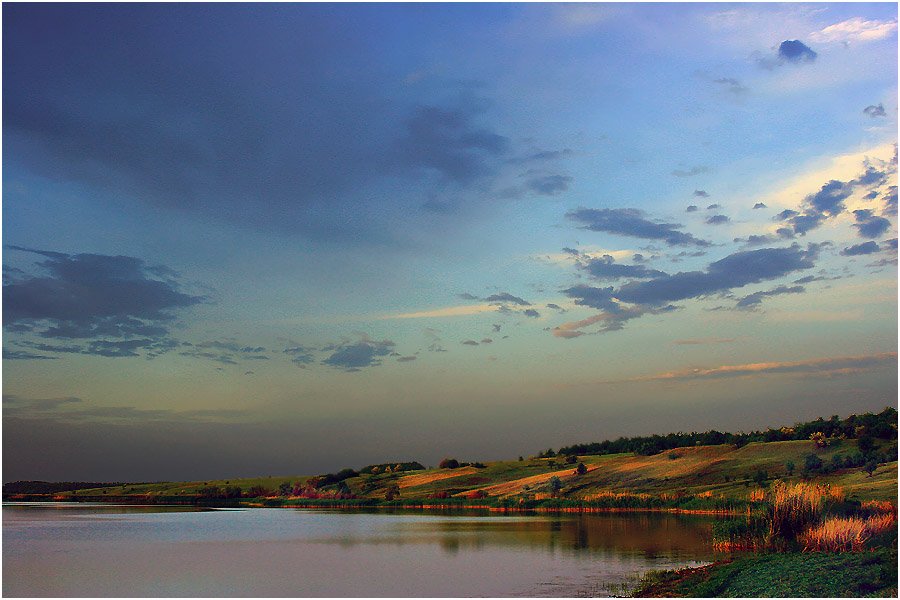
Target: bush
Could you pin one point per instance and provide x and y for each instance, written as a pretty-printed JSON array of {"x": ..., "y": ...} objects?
[
  {"x": 449, "y": 463},
  {"x": 581, "y": 469},
  {"x": 674, "y": 456}
]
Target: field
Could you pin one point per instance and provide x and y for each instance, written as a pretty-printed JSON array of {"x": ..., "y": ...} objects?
[{"x": 720, "y": 471}]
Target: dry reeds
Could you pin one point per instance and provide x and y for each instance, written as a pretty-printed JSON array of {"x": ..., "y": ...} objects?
[
  {"x": 876, "y": 507},
  {"x": 845, "y": 534},
  {"x": 757, "y": 495},
  {"x": 795, "y": 508}
]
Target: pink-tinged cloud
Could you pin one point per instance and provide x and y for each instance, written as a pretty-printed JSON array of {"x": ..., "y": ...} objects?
[
  {"x": 843, "y": 365},
  {"x": 571, "y": 329}
]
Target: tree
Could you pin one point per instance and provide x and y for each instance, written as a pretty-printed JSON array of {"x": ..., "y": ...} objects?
[
  {"x": 449, "y": 463},
  {"x": 555, "y": 485},
  {"x": 571, "y": 459},
  {"x": 789, "y": 465},
  {"x": 870, "y": 467},
  {"x": 580, "y": 469},
  {"x": 760, "y": 478},
  {"x": 285, "y": 488},
  {"x": 866, "y": 443},
  {"x": 392, "y": 492},
  {"x": 819, "y": 439},
  {"x": 811, "y": 463}
]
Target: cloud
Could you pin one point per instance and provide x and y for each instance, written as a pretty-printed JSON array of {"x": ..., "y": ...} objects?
[
  {"x": 826, "y": 366},
  {"x": 73, "y": 409},
  {"x": 691, "y": 208},
  {"x": 759, "y": 205},
  {"x": 717, "y": 220},
  {"x": 530, "y": 312},
  {"x": 855, "y": 30},
  {"x": 868, "y": 225},
  {"x": 734, "y": 271},
  {"x": 24, "y": 355},
  {"x": 701, "y": 194},
  {"x": 698, "y": 170},
  {"x": 469, "y": 343},
  {"x": 611, "y": 320},
  {"x": 890, "y": 201},
  {"x": 549, "y": 185},
  {"x": 605, "y": 267},
  {"x": 795, "y": 51},
  {"x": 713, "y": 206},
  {"x": 356, "y": 356},
  {"x": 226, "y": 352},
  {"x": 95, "y": 297},
  {"x": 449, "y": 311},
  {"x": 406, "y": 358},
  {"x": 448, "y": 142},
  {"x": 875, "y": 110},
  {"x": 631, "y": 222},
  {"x": 755, "y": 299},
  {"x": 859, "y": 249},
  {"x": 731, "y": 85},
  {"x": 300, "y": 355},
  {"x": 506, "y": 298}
]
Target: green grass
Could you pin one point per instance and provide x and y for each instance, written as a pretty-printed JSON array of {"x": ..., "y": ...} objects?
[{"x": 817, "y": 574}]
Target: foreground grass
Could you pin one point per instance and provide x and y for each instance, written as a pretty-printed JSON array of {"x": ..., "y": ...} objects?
[{"x": 792, "y": 574}]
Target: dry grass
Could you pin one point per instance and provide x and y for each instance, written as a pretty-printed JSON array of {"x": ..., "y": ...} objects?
[
  {"x": 757, "y": 495},
  {"x": 517, "y": 486},
  {"x": 408, "y": 481},
  {"x": 795, "y": 508},
  {"x": 879, "y": 507},
  {"x": 845, "y": 534},
  {"x": 616, "y": 496}
]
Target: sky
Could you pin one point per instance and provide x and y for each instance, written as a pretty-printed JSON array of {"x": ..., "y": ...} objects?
[{"x": 278, "y": 239}]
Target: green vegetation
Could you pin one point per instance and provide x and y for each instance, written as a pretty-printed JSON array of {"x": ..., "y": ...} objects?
[{"x": 794, "y": 574}]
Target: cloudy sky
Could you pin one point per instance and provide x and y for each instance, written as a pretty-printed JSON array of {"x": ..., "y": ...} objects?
[{"x": 283, "y": 239}]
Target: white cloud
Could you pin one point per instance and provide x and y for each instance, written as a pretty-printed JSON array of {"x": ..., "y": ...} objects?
[{"x": 855, "y": 30}]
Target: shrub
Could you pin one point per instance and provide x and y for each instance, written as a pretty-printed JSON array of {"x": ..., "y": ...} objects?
[
  {"x": 789, "y": 466},
  {"x": 580, "y": 469},
  {"x": 258, "y": 491},
  {"x": 555, "y": 485},
  {"x": 476, "y": 495},
  {"x": 674, "y": 455},
  {"x": 285, "y": 488},
  {"x": 870, "y": 467},
  {"x": 449, "y": 463},
  {"x": 571, "y": 459},
  {"x": 819, "y": 439}
]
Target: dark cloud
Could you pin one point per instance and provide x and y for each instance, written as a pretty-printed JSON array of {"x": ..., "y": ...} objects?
[
  {"x": 858, "y": 249},
  {"x": 469, "y": 343},
  {"x": 24, "y": 355},
  {"x": 717, "y": 220},
  {"x": 549, "y": 185},
  {"x": 875, "y": 110},
  {"x": 868, "y": 225},
  {"x": 556, "y": 307},
  {"x": 713, "y": 206},
  {"x": 795, "y": 51},
  {"x": 759, "y": 205},
  {"x": 631, "y": 222},
  {"x": 701, "y": 194},
  {"x": 495, "y": 327},
  {"x": 356, "y": 356},
  {"x": 692, "y": 208},
  {"x": 530, "y": 312},
  {"x": 506, "y": 298},
  {"x": 487, "y": 341},
  {"x": 731, "y": 85},
  {"x": 891, "y": 243},
  {"x": 783, "y": 233},
  {"x": 605, "y": 267},
  {"x": 467, "y": 296},
  {"x": 448, "y": 141},
  {"x": 300, "y": 355},
  {"x": 830, "y": 199},
  {"x": 691, "y": 172},
  {"x": 733, "y": 271},
  {"x": 890, "y": 201},
  {"x": 226, "y": 352},
  {"x": 753, "y": 300},
  {"x": 95, "y": 297}
]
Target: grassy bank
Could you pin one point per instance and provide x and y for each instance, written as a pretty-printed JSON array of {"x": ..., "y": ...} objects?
[{"x": 791, "y": 574}]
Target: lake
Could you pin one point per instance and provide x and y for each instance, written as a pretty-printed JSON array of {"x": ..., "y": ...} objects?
[{"x": 63, "y": 549}]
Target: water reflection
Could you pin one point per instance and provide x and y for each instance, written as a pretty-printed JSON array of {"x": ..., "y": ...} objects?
[{"x": 55, "y": 550}]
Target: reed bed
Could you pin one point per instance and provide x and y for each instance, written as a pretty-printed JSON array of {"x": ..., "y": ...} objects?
[{"x": 845, "y": 534}]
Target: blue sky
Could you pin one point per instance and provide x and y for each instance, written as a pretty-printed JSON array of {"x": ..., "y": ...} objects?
[{"x": 348, "y": 233}]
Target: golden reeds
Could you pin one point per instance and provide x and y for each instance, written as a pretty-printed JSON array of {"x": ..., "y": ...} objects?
[{"x": 845, "y": 534}]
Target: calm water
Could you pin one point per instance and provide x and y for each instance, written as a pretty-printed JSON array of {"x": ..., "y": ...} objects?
[{"x": 94, "y": 550}]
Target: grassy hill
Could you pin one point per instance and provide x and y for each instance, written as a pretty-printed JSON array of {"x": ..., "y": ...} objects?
[{"x": 722, "y": 470}]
